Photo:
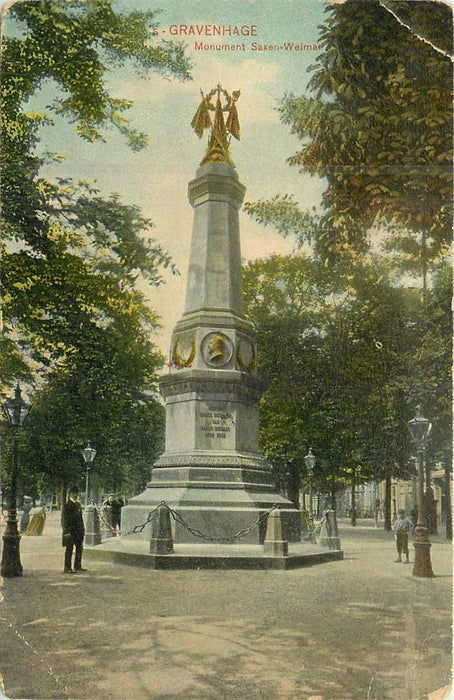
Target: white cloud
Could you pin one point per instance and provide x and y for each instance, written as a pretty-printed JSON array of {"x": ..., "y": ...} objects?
[
  {"x": 258, "y": 242},
  {"x": 258, "y": 82}
]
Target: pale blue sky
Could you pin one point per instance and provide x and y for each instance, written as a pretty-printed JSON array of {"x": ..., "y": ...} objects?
[{"x": 156, "y": 178}]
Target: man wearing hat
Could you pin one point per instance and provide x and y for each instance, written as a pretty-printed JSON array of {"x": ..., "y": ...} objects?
[
  {"x": 401, "y": 528},
  {"x": 73, "y": 531}
]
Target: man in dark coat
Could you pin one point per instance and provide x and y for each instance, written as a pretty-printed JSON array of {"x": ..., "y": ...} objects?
[{"x": 73, "y": 531}]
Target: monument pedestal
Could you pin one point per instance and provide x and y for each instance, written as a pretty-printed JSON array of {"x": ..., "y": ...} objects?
[
  {"x": 212, "y": 472},
  {"x": 202, "y": 510}
]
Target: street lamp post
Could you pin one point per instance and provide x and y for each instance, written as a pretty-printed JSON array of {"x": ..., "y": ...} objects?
[
  {"x": 309, "y": 461},
  {"x": 88, "y": 453},
  {"x": 16, "y": 411},
  {"x": 419, "y": 428}
]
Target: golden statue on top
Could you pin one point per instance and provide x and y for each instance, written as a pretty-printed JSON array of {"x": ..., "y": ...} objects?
[{"x": 218, "y": 150}]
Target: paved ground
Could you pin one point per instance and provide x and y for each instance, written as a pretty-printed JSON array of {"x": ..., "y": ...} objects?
[{"x": 359, "y": 629}]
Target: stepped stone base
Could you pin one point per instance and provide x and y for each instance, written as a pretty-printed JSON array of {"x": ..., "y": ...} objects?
[
  {"x": 133, "y": 552},
  {"x": 219, "y": 501}
]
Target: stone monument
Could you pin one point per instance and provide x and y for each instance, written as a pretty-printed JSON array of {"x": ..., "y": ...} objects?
[{"x": 212, "y": 472}]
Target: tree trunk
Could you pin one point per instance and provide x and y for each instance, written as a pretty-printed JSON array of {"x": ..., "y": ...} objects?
[
  {"x": 387, "y": 504},
  {"x": 424, "y": 266},
  {"x": 62, "y": 495},
  {"x": 427, "y": 493},
  {"x": 353, "y": 515},
  {"x": 448, "y": 512},
  {"x": 429, "y": 501},
  {"x": 293, "y": 486},
  {"x": 333, "y": 493}
]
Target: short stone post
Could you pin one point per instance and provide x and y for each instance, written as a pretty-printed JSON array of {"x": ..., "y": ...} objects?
[
  {"x": 106, "y": 523},
  {"x": 92, "y": 526},
  {"x": 274, "y": 544},
  {"x": 161, "y": 541}
]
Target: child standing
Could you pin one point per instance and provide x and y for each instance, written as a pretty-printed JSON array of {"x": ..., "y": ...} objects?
[{"x": 401, "y": 528}]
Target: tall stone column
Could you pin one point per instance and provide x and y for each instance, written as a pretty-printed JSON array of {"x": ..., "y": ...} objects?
[{"x": 212, "y": 471}]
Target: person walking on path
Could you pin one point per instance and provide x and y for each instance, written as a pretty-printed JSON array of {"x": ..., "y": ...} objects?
[
  {"x": 37, "y": 521},
  {"x": 25, "y": 516},
  {"x": 73, "y": 532},
  {"x": 116, "y": 504},
  {"x": 401, "y": 528}
]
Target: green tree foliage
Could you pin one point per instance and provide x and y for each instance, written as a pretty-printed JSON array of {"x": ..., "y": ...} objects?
[
  {"x": 99, "y": 394},
  {"x": 430, "y": 380},
  {"x": 72, "y": 257},
  {"x": 286, "y": 216},
  {"x": 379, "y": 125},
  {"x": 63, "y": 242},
  {"x": 332, "y": 347},
  {"x": 87, "y": 277}
]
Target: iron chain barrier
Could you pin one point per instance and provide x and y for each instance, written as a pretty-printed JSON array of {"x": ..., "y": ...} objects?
[
  {"x": 195, "y": 531},
  {"x": 102, "y": 518},
  {"x": 315, "y": 529}
]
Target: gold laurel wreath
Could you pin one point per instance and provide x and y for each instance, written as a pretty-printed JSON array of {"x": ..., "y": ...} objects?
[
  {"x": 247, "y": 367},
  {"x": 178, "y": 361}
]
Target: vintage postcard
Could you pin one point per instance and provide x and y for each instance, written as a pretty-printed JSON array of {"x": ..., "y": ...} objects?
[{"x": 226, "y": 341}]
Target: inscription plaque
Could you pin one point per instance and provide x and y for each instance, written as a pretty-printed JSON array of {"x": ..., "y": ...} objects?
[{"x": 215, "y": 424}]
